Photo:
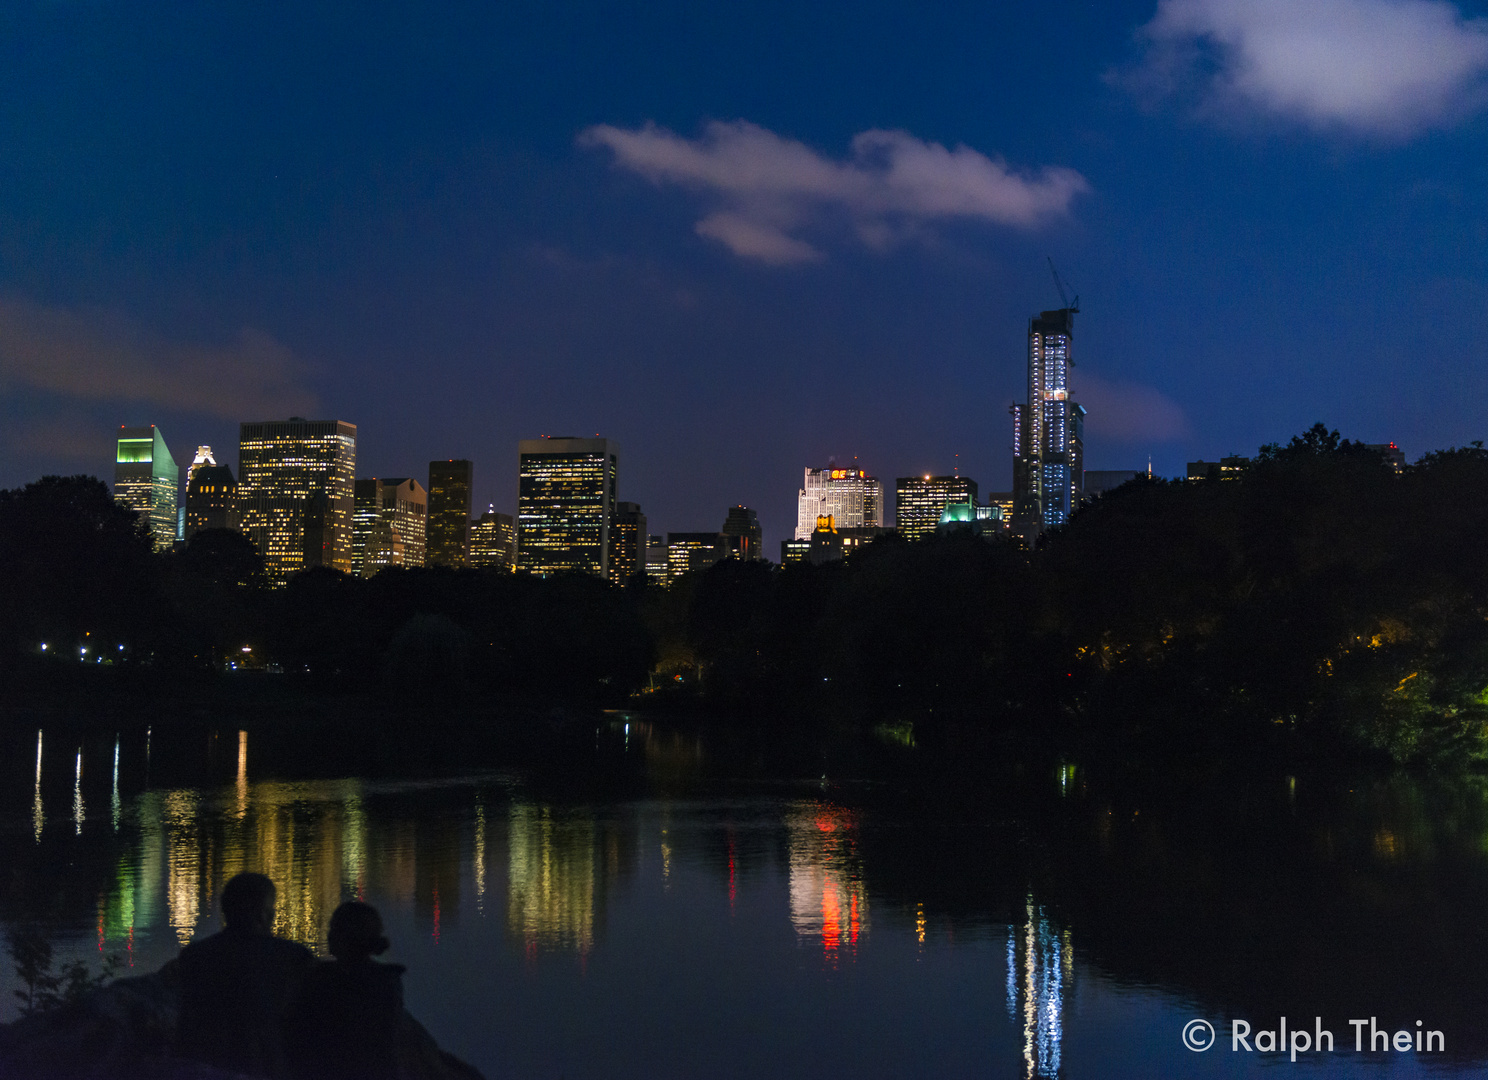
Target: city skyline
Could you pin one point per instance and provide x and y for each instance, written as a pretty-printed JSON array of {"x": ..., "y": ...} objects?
[{"x": 747, "y": 244}]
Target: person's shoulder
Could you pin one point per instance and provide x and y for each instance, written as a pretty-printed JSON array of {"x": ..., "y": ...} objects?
[
  {"x": 292, "y": 952},
  {"x": 202, "y": 947}
]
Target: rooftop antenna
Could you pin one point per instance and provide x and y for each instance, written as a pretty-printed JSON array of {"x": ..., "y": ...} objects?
[{"x": 1074, "y": 308}]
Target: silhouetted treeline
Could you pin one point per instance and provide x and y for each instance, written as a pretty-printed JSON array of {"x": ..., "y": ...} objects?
[
  {"x": 1319, "y": 600},
  {"x": 87, "y": 579}
]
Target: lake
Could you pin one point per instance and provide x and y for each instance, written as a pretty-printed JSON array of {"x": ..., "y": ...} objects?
[{"x": 633, "y": 909}]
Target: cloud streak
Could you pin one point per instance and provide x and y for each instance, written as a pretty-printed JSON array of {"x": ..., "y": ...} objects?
[
  {"x": 1129, "y": 412},
  {"x": 98, "y": 356},
  {"x": 1388, "y": 68},
  {"x": 768, "y": 189}
]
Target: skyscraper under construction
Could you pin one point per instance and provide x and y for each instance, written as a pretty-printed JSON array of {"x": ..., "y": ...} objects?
[{"x": 1049, "y": 429}]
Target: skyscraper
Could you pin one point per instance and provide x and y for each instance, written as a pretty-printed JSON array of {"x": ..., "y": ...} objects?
[
  {"x": 690, "y": 551},
  {"x": 1049, "y": 430},
  {"x": 146, "y": 479},
  {"x": 627, "y": 543},
  {"x": 493, "y": 541},
  {"x": 920, "y": 500},
  {"x": 295, "y": 488},
  {"x": 852, "y": 498},
  {"x": 388, "y": 524},
  {"x": 450, "y": 483},
  {"x": 211, "y": 499},
  {"x": 565, "y": 501},
  {"x": 741, "y": 534}
]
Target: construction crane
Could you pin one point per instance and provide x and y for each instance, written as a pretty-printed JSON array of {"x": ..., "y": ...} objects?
[{"x": 1063, "y": 299}]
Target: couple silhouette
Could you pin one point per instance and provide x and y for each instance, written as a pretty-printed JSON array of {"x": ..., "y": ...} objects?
[{"x": 257, "y": 1004}]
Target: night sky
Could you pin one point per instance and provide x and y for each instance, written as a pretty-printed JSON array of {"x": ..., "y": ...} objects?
[{"x": 739, "y": 239}]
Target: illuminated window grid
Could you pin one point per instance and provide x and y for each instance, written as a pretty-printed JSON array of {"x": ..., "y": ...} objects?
[{"x": 564, "y": 504}]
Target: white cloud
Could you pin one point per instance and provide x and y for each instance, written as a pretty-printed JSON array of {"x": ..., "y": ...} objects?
[
  {"x": 770, "y": 187},
  {"x": 1375, "y": 67},
  {"x": 98, "y": 356},
  {"x": 1128, "y": 412}
]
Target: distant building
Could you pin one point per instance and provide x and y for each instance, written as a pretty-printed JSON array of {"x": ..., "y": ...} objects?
[
  {"x": 741, "y": 533},
  {"x": 296, "y": 489},
  {"x": 794, "y": 551},
  {"x": 969, "y": 517},
  {"x": 1393, "y": 455},
  {"x": 1004, "y": 501},
  {"x": 493, "y": 541},
  {"x": 565, "y": 502},
  {"x": 920, "y": 500},
  {"x": 828, "y": 543},
  {"x": 211, "y": 499},
  {"x": 1048, "y": 429},
  {"x": 1100, "y": 481},
  {"x": 689, "y": 551},
  {"x": 448, "y": 535},
  {"x": 850, "y": 497},
  {"x": 627, "y": 543},
  {"x": 657, "y": 570},
  {"x": 1224, "y": 469},
  {"x": 147, "y": 479},
  {"x": 390, "y": 524}
]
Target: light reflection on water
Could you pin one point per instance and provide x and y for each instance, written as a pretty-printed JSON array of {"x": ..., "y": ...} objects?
[{"x": 607, "y": 889}]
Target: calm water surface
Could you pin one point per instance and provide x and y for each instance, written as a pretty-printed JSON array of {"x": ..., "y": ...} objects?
[{"x": 802, "y": 928}]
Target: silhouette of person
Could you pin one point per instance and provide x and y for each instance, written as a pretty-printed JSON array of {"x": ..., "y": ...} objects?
[
  {"x": 237, "y": 984},
  {"x": 345, "y": 1023}
]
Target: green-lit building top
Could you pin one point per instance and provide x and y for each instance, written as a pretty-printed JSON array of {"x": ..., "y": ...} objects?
[{"x": 147, "y": 480}]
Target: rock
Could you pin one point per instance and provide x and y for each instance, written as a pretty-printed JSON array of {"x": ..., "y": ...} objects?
[{"x": 126, "y": 1031}]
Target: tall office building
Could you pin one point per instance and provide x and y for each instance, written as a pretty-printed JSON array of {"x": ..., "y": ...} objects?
[
  {"x": 493, "y": 541},
  {"x": 920, "y": 500},
  {"x": 741, "y": 534},
  {"x": 658, "y": 571},
  {"x": 389, "y": 524},
  {"x": 296, "y": 490},
  {"x": 211, "y": 499},
  {"x": 1049, "y": 429},
  {"x": 691, "y": 551},
  {"x": 146, "y": 479},
  {"x": 850, "y": 497},
  {"x": 565, "y": 502},
  {"x": 450, "y": 483},
  {"x": 627, "y": 543}
]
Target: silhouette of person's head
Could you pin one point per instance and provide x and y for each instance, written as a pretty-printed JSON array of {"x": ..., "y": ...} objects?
[
  {"x": 356, "y": 932},
  {"x": 248, "y": 904}
]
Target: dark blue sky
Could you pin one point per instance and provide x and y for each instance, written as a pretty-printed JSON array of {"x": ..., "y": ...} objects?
[{"x": 461, "y": 228}]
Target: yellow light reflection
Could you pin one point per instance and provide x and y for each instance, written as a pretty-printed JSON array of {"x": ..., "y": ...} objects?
[
  {"x": 551, "y": 878},
  {"x": 183, "y": 890},
  {"x": 77, "y": 794},
  {"x": 480, "y": 859},
  {"x": 38, "y": 819}
]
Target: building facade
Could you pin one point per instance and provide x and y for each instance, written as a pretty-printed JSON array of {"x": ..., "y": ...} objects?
[
  {"x": 850, "y": 497},
  {"x": 658, "y": 572},
  {"x": 627, "y": 543},
  {"x": 450, "y": 485},
  {"x": 389, "y": 524},
  {"x": 147, "y": 480},
  {"x": 565, "y": 503},
  {"x": 919, "y": 501},
  {"x": 211, "y": 499},
  {"x": 493, "y": 541},
  {"x": 742, "y": 535},
  {"x": 1048, "y": 429},
  {"x": 296, "y": 490},
  {"x": 689, "y": 551}
]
